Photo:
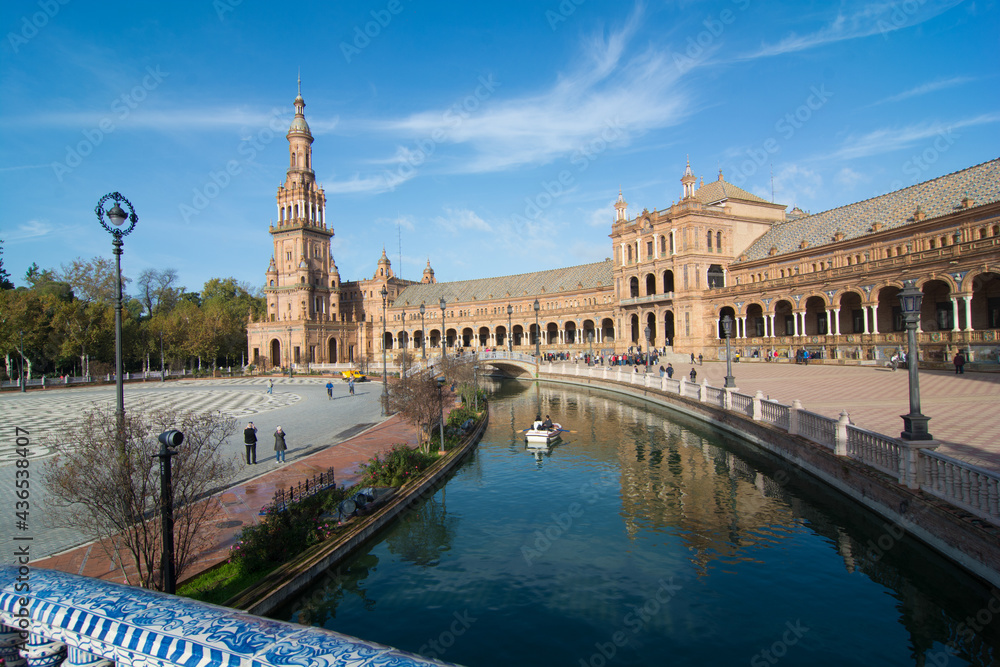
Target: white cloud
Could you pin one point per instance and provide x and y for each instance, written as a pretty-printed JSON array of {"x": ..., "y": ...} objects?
[
  {"x": 926, "y": 88},
  {"x": 32, "y": 229},
  {"x": 793, "y": 184},
  {"x": 885, "y": 140},
  {"x": 615, "y": 94},
  {"x": 461, "y": 219},
  {"x": 847, "y": 178},
  {"x": 372, "y": 184},
  {"x": 866, "y": 20}
]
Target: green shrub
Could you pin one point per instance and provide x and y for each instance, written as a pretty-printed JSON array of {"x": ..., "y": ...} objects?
[{"x": 394, "y": 467}]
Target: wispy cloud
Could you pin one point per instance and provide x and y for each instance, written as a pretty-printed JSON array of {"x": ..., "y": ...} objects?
[
  {"x": 612, "y": 96},
  {"x": 462, "y": 219},
  {"x": 32, "y": 229},
  {"x": 926, "y": 88},
  {"x": 867, "y": 19},
  {"x": 886, "y": 140},
  {"x": 357, "y": 184}
]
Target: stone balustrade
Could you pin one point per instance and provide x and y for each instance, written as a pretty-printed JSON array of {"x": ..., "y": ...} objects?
[{"x": 53, "y": 619}]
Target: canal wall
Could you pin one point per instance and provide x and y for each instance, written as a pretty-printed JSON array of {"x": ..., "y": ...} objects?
[
  {"x": 963, "y": 538},
  {"x": 291, "y": 578}
]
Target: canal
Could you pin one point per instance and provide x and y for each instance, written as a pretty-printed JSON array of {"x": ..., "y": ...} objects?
[{"x": 643, "y": 538}]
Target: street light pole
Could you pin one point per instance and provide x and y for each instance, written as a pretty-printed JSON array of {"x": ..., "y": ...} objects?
[
  {"x": 385, "y": 375},
  {"x": 162, "y": 374},
  {"x": 727, "y": 326},
  {"x": 914, "y": 423},
  {"x": 590, "y": 339},
  {"x": 538, "y": 333},
  {"x": 444, "y": 331},
  {"x": 510, "y": 334},
  {"x": 289, "y": 352},
  {"x": 423, "y": 335},
  {"x": 117, "y": 217},
  {"x": 647, "y": 332},
  {"x": 167, "y": 440},
  {"x": 402, "y": 348},
  {"x": 20, "y": 373}
]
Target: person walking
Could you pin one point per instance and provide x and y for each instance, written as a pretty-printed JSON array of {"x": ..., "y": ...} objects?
[
  {"x": 279, "y": 445},
  {"x": 270, "y": 386},
  {"x": 701, "y": 360},
  {"x": 329, "y": 391},
  {"x": 350, "y": 386},
  {"x": 692, "y": 357},
  {"x": 670, "y": 370},
  {"x": 250, "y": 439},
  {"x": 959, "y": 362},
  {"x": 694, "y": 374}
]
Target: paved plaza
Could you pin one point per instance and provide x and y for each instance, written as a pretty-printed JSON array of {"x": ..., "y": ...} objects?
[{"x": 300, "y": 406}]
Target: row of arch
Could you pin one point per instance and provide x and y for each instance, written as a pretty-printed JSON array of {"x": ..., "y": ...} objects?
[
  {"x": 311, "y": 211},
  {"x": 946, "y": 306},
  {"x": 588, "y": 331}
]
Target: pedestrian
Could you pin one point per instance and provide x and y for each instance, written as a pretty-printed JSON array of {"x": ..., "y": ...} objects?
[
  {"x": 270, "y": 386},
  {"x": 959, "y": 362},
  {"x": 694, "y": 374},
  {"x": 670, "y": 370},
  {"x": 663, "y": 371},
  {"x": 279, "y": 445},
  {"x": 692, "y": 357},
  {"x": 329, "y": 390},
  {"x": 894, "y": 362},
  {"x": 350, "y": 386},
  {"x": 701, "y": 360},
  {"x": 250, "y": 439}
]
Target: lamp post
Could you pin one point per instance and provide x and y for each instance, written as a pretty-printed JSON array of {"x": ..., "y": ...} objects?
[
  {"x": 914, "y": 423},
  {"x": 402, "y": 347},
  {"x": 20, "y": 372},
  {"x": 727, "y": 327},
  {"x": 510, "y": 333},
  {"x": 168, "y": 439},
  {"x": 444, "y": 332},
  {"x": 289, "y": 352},
  {"x": 385, "y": 375},
  {"x": 538, "y": 333},
  {"x": 163, "y": 376},
  {"x": 423, "y": 335},
  {"x": 590, "y": 339},
  {"x": 647, "y": 332},
  {"x": 117, "y": 217}
]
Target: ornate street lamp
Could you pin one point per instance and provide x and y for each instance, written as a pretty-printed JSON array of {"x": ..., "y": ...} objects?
[
  {"x": 163, "y": 376},
  {"x": 385, "y": 376},
  {"x": 727, "y": 327},
  {"x": 423, "y": 335},
  {"x": 590, "y": 339},
  {"x": 914, "y": 423},
  {"x": 289, "y": 352},
  {"x": 647, "y": 332},
  {"x": 538, "y": 332},
  {"x": 444, "y": 332},
  {"x": 168, "y": 439},
  {"x": 117, "y": 217},
  {"x": 402, "y": 347},
  {"x": 510, "y": 339}
]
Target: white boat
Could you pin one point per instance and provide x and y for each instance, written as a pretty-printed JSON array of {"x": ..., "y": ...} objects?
[{"x": 539, "y": 435}]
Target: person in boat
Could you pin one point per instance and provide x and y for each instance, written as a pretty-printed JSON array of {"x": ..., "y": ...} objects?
[{"x": 547, "y": 424}]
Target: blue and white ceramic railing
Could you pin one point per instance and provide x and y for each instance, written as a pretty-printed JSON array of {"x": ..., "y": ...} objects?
[{"x": 50, "y": 618}]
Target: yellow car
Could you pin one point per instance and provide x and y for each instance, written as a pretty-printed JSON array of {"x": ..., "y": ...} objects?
[{"x": 357, "y": 375}]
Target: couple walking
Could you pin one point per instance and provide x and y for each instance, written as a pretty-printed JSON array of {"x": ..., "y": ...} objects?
[{"x": 250, "y": 439}]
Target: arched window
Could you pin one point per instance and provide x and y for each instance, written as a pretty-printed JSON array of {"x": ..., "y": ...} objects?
[
  {"x": 708, "y": 239},
  {"x": 932, "y": 244},
  {"x": 630, "y": 253},
  {"x": 718, "y": 241}
]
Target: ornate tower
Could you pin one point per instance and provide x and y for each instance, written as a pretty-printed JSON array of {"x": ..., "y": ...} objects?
[
  {"x": 621, "y": 206},
  {"x": 688, "y": 180},
  {"x": 428, "y": 278}
]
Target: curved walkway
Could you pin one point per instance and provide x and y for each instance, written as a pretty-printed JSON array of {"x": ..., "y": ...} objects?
[{"x": 962, "y": 408}]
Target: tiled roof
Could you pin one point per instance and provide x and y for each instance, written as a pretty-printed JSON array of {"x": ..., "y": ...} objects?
[
  {"x": 935, "y": 198},
  {"x": 719, "y": 190},
  {"x": 536, "y": 284}
]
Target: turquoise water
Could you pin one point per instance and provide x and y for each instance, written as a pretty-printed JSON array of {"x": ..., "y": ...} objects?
[{"x": 642, "y": 539}]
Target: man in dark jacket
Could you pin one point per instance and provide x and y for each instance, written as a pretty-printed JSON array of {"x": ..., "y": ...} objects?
[{"x": 250, "y": 438}]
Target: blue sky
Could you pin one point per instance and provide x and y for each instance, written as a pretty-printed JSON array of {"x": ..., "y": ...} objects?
[{"x": 491, "y": 138}]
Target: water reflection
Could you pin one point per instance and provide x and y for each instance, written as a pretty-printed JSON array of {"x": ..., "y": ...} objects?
[{"x": 693, "y": 545}]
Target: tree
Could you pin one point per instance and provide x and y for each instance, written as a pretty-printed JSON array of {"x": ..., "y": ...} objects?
[
  {"x": 157, "y": 291},
  {"x": 117, "y": 502},
  {"x": 93, "y": 280},
  {"x": 418, "y": 399},
  {"x": 5, "y": 282}
]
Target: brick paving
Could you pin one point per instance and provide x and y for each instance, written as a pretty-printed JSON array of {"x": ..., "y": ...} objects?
[
  {"x": 241, "y": 504},
  {"x": 963, "y": 408}
]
